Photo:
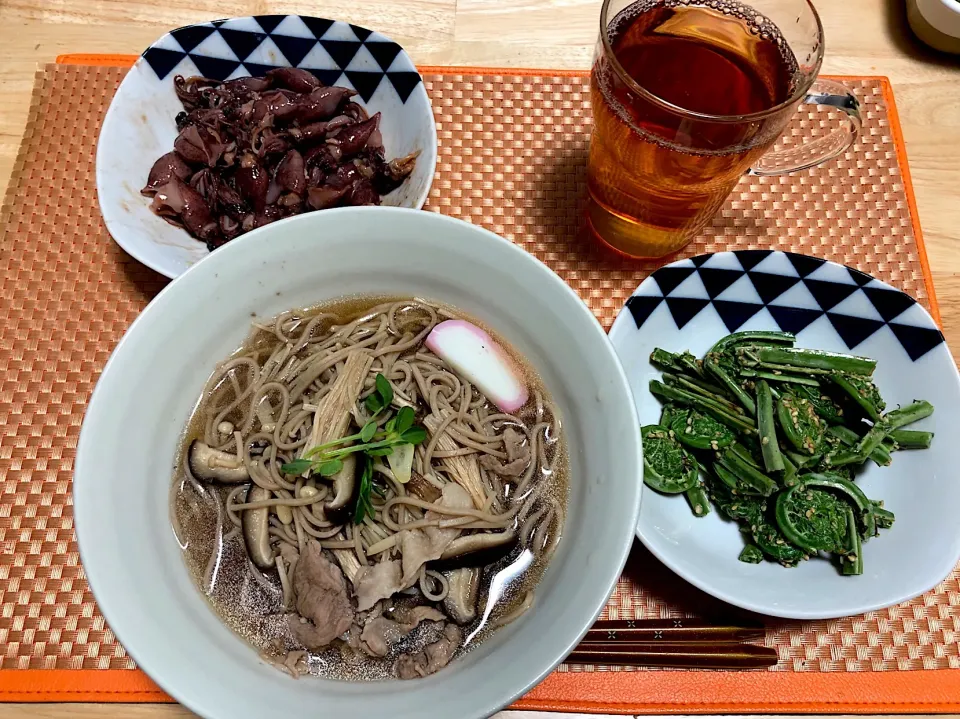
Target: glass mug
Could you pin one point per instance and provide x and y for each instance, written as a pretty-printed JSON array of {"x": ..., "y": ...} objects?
[{"x": 687, "y": 97}]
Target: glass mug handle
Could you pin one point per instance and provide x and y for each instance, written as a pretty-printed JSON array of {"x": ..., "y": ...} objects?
[{"x": 808, "y": 154}]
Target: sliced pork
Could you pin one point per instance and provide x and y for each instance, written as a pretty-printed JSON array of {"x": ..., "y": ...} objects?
[
  {"x": 419, "y": 546},
  {"x": 380, "y": 634},
  {"x": 375, "y": 582},
  {"x": 323, "y": 606},
  {"x": 433, "y": 658}
]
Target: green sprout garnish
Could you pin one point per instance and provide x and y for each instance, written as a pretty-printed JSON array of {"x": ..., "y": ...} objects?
[{"x": 327, "y": 459}]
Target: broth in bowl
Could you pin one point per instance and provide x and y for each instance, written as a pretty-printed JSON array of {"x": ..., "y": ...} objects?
[{"x": 369, "y": 488}]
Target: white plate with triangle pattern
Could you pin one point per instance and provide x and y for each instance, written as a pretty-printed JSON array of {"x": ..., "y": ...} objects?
[
  {"x": 140, "y": 124},
  {"x": 692, "y": 303}
]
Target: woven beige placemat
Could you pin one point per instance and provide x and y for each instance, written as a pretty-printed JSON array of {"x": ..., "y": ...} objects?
[{"x": 512, "y": 154}]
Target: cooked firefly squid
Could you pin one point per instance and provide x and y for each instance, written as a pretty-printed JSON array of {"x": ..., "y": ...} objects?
[{"x": 254, "y": 150}]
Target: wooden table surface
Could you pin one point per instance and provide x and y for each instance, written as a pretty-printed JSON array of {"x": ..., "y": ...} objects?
[{"x": 864, "y": 37}]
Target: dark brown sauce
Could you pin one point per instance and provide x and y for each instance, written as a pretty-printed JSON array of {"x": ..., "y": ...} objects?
[{"x": 255, "y": 612}]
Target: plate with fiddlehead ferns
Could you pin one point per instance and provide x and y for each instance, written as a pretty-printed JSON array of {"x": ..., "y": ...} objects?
[{"x": 816, "y": 403}]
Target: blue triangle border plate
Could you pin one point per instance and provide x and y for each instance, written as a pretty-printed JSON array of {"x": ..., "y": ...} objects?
[
  {"x": 140, "y": 124},
  {"x": 692, "y": 303}
]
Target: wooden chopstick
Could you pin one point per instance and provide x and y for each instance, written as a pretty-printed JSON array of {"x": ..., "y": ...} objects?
[
  {"x": 687, "y": 656},
  {"x": 671, "y": 631},
  {"x": 679, "y": 643}
]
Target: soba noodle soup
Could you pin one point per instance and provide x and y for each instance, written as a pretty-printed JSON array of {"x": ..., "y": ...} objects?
[{"x": 356, "y": 508}]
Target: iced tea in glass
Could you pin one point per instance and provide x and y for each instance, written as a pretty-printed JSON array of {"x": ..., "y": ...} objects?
[{"x": 689, "y": 96}]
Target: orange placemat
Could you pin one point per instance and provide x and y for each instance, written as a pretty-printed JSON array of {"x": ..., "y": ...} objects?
[{"x": 512, "y": 153}]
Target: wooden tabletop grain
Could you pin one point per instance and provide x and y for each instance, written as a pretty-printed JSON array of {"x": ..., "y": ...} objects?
[{"x": 864, "y": 37}]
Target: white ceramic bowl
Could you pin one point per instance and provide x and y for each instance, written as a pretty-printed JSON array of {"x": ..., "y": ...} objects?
[
  {"x": 131, "y": 432},
  {"x": 689, "y": 305},
  {"x": 140, "y": 125}
]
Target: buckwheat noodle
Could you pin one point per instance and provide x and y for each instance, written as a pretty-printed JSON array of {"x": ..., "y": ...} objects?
[{"x": 260, "y": 406}]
